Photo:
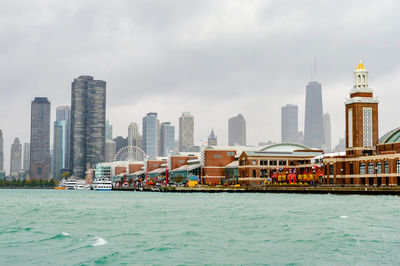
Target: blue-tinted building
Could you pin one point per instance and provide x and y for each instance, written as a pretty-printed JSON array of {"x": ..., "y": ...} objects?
[
  {"x": 150, "y": 134},
  {"x": 59, "y": 148},
  {"x": 167, "y": 139}
]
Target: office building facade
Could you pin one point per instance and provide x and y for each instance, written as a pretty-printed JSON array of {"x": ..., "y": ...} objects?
[
  {"x": 186, "y": 132},
  {"x": 40, "y": 139},
  {"x": 167, "y": 139},
  {"x": 15, "y": 158},
  {"x": 327, "y": 133},
  {"x": 26, "y": 159},
  {"x": 150, "y": 135},
  {"x": 111, "y": 150},
  {"x": 88, "y": 124},
  {"x": 313, "y": 124},
  {"x": 237, "y": 131},
  {"x": 289, "y": 123}
]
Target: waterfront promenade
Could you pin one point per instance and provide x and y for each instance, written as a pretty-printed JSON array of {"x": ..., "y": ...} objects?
[{"x": 274, "y": 189}]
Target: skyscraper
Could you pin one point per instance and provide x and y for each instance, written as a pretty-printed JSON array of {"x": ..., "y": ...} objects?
[
  {"x": 289, "y": 124},
  {"x": 120, "y": 142},
  {"x": 150, "y": 134},
  {"x": 110, "y": 150},
  {"x": 313, "y": 124},
  {"x": 109, "y": 131},
  {"x": 134, "y": 137},
  {"x": 327, "y": 133},
  {"x": 88, "y": 119},
  {"x": 40, "y": 138},
  {"x": 237, "y": 130},
  {"x": 212, "y": 139},
  {"x": 63, "y": 113},
  {"x": 1, "y": 151},
  {"x": 27, "y": 152},
  {"x": 59, "y": 148},
  {"x": 186, "y": 132},
  {"x": 167, "y": 138},
  {"x": 15, "y": 158}
]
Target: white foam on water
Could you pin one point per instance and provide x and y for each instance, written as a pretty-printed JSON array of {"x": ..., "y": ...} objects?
[
  {"x": 344, "y": 217},
  {"x": 99, "y": 242},
  {"x": 65, "y": 234}
]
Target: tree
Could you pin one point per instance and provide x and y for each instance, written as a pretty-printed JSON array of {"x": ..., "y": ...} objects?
[{"x": 65, "y": 175}]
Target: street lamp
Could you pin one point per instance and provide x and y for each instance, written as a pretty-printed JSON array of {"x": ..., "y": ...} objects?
[{"x": 341, "y": 176}]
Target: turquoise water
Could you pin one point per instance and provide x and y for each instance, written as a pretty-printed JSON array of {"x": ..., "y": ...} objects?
[{"x": 49, "y": 227}]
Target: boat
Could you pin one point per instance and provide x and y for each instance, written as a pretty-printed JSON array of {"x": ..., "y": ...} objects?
[
  {"x": 70, "y": 184},
  {"x": 61, "y": 185},
  {"x": 102, "y": 183},
  {"x": 76, "y": 184}
]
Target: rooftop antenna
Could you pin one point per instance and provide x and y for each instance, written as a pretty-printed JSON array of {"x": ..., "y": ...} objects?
[{"x": 311, "y": 73}]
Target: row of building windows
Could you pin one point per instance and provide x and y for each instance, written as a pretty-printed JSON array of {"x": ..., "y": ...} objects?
[
  {"x": 276, "y": 162},
  {"x": 372, "y": 169}
]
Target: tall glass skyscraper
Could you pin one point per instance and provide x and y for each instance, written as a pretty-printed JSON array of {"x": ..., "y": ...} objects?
[
  {"x": 59, "y": 148},
  {"x": 63, "y": 113},
  {"x": 237, "y": 130},
  {"x": 167, "y": 139},
  {"x": 313, "y": 124},
  {"x": 88, "y": 119},
  {"x": 289, "y": 123},
  {"x": 150, "y": 134},
  {"x": 27, "y": 151},
  {"x": 40, "y": 138},
  {"x": 186, "y": 132}
]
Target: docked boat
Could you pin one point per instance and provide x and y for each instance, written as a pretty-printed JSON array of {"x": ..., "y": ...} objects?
[
  {"x": 61, "y": 185},
  {"x": 102, "y": 183},
  {"x": 70, "y": 184},
  {"x": 76, "y": 184}
]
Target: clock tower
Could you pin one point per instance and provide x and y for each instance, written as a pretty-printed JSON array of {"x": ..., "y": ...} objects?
[{"x": 361, "y": 116}]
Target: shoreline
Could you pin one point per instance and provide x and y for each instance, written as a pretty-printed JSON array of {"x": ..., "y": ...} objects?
[{"x": 296, "y": 190}]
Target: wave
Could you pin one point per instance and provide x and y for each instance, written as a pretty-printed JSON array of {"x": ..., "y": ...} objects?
[
  {"x": 99, "y": 242},
  {"x": 344, "y": 217}
]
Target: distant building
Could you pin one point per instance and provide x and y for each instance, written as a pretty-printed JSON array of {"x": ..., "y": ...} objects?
[
  {"x": 300, "y": 137},
  {"x": 341, "y": 146},
  {"x": 40, "y": 138},
  {"x": 59, "y": 148},
  {"x": 63, "y": 113},
  {"x": 167, "y": 138},
  {"x": 313, "y": 124},
  {"x": 212, "y": 139},
  {"x": 88, "y": 124},
  {"x": 186, "y": 132},
  {"x": 150, "y": 135},
  {"x": 1, "y": 151},
  {"x": 289, "y": 124},
  {"x": 15, "y": 158},
  {"x": 120, "y": 142},
  {"x": 109, "y": 131},
  {"x": 111, "y": 150},
  {"x": 237, "y": 131},
  {"x": 327, "y": 133},
  {"x": 134, "y": 137},
  {"x": 27, "y": 152}
]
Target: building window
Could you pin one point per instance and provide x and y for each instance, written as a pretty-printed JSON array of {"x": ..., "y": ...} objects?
[
  {"x": 273, "y": 162},
  {"x": 367, "y": 126},
  {"x": 386, "y": 167},
  {"x": 362, "y": 169},
  {"x": 254, "y": 162},
  {"x": 181, "y": 161},
  {"x": 263, "y": 173},
  {"x": 39, "y": 170},
  {"x": 230, "y": 153},
  {"x": 350, "y": 128},
  {"x": 379, "y": 168},
  {"x": 254, "y": 173},
  {"x": 331, "y": 169},
  {"x": 397, "y": 166},
  {"x": 281, "y": 162},
  {"x": 351, "y": 169},
  {"x": 370, "y": 168},
  {"x": 217, "y": 156}
]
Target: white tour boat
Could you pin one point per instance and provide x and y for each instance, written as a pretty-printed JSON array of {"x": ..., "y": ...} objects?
[{"x": 102, "y": 183}]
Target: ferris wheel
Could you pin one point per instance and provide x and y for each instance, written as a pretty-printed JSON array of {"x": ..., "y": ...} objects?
[{"x": 130, "y": 153}]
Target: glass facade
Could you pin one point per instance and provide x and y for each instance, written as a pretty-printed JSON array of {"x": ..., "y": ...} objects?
[
  {"x": 167, "y": 139},
  {"x": 59, "y": 148},
  {"x": 150, "y": 135}
]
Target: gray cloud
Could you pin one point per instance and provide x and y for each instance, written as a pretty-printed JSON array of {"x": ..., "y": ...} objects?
[{"x": 213, "y": 58}]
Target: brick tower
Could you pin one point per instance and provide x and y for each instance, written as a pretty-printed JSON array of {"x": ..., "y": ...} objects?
[{"x": 361, "y": 116}]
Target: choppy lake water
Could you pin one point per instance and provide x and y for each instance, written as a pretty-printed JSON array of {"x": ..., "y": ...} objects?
[{"x": 49, "y": 227}]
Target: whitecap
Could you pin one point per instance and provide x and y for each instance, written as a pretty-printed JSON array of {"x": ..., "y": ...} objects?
[
  {"x": 344, "y": 217},
  {"x": 99, "y": 242},
  {"x": 65, "y": 234}
]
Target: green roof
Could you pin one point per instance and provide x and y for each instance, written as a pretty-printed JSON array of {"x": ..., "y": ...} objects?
[
  {"x": 284, "y": 147},
  {"x": 392, "y": 136}
]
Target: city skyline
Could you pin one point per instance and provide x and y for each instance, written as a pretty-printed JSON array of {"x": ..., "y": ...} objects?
[{"x": 253, "y": 58}]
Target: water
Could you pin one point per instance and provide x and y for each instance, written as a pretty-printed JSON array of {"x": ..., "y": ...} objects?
[{"x": 48, "y": 227}]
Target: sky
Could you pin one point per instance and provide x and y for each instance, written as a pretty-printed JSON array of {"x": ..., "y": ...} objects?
[{"x": 214, "y": 59}]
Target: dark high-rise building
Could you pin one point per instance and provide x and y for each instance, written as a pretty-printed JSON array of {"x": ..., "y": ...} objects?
[
  {"x": 237, "y": 130},
  {"x": 167, "y": 138},
  {"x": 313, "y": 124},
  {"x": 1, "y": 151},
  {"x": 15, "y": 158},
  {"x": 150, "y": 135},
  {"x": 120, "y": 143},
  {"x": 40, "y": 138},
  {"x": 88, "y": 119},
  {"x": 289, "y": 124}
]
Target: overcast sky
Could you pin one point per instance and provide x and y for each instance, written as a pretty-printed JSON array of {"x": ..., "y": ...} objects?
[{"x": 213, "y": 58}]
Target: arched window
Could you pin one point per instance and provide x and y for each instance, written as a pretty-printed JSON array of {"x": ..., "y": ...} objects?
[
  {"x": 386, "y": 167},
  {"x": 359, "y": 78},
  {"x": 370, "y": 168},
  {"x": 362, "y": 169}
]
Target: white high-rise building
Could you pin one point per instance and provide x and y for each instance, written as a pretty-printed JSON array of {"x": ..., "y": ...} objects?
[
  {"x": 16, "y": 158},
  {"x": 134, "y": 137},
  {"x": 27, "y": 152},
  {"x": 289, "y": 124},
  {"x": 186, "y": 132},
  {"x": 327, "y": 133},
  {"x": 110, "y": 150}
]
